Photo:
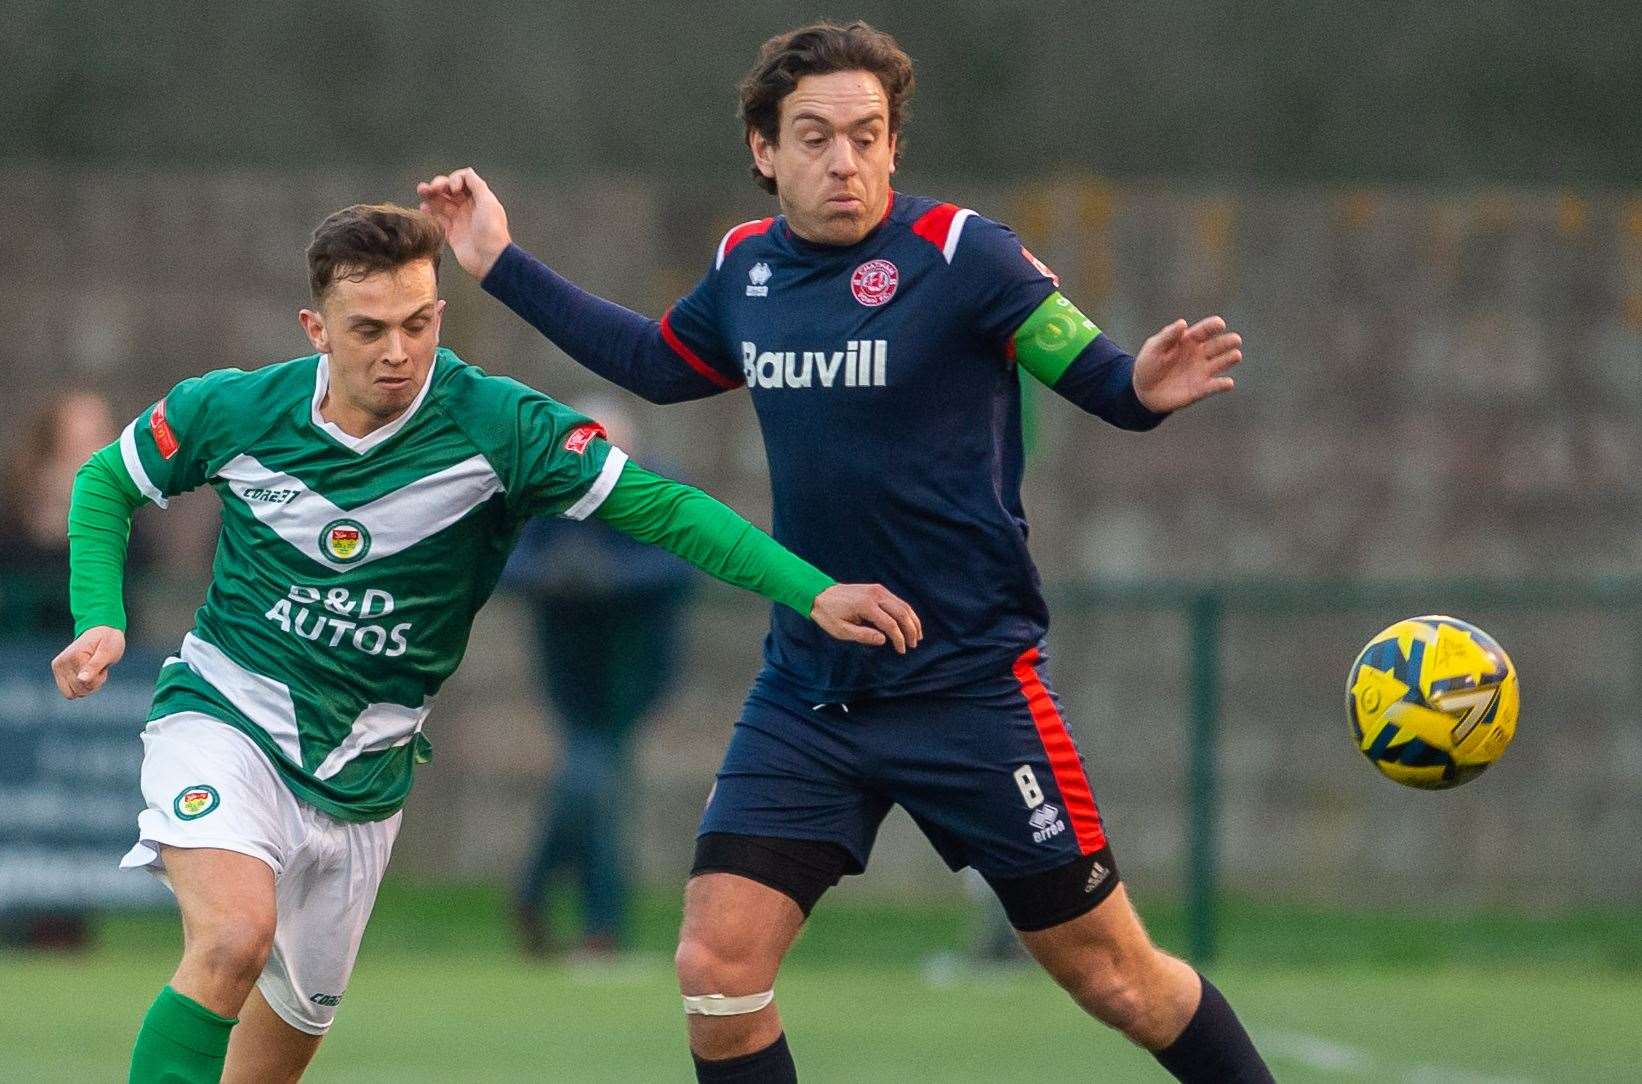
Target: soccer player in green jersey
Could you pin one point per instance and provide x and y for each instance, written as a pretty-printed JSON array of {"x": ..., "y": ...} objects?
[{"x": 370, "y": 495}]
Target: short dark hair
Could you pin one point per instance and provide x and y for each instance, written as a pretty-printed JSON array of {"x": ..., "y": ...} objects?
[
  {"x": 370, "y": 237},
  {"x": 821, "y": 49}
]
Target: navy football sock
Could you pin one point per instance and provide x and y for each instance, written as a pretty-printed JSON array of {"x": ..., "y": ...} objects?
[
  {"x": 1214, "y": 1047},
  {"x": 772, "y": 1065}
]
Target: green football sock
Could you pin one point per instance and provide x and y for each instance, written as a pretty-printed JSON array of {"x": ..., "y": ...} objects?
[{"x": 181, "y": 1042}]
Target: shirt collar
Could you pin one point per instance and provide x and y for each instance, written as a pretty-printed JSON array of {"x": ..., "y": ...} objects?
[{"x": 361, "y": 445}]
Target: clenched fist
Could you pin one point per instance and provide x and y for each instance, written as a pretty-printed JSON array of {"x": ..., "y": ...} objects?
[{"x": 82, "y": 667}]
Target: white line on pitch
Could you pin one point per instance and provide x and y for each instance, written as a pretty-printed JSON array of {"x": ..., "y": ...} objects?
[{"x": 1328, "y": 1056}]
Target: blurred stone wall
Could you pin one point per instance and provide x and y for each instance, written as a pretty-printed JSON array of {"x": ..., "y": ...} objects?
[{"x": 1438, "y": 383}]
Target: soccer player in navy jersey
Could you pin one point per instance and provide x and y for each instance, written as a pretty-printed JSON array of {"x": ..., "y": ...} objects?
[{"x": 878, "y": 334}]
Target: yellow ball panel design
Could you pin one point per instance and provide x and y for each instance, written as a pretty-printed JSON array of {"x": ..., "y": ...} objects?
[{"x": 1432, "y": 701}]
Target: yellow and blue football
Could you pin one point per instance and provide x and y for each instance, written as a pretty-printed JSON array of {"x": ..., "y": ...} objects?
[{"x": 1432, "y": 702}]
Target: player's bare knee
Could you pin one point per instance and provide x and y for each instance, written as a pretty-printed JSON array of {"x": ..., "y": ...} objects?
[
  {"x": 1113, "y": 999},
  {"x": 234, "y": 951},
  {"x": 708, "y": 967}
]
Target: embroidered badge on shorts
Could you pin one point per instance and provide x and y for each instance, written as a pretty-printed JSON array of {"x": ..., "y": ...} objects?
[{"x": 195, "y": 802}]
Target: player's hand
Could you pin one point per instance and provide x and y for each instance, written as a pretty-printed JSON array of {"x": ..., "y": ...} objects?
[
  {"x": 1180, "y": 365},
  {"x": 473, "y": 219},
  {"x": 866, "y": 613},
  {"x": 82, "y": 667}
]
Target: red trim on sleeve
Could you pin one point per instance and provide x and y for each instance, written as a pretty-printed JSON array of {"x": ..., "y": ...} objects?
[
  {"x": 690, "y": 357},
  {"x": 164, "y": 439},
  {"x": 1063, "y": 756},
  {"x": 934, "y": 224}
]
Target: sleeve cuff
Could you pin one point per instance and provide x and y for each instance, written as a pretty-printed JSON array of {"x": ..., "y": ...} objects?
[
  {"x": 806, "y": 592},
  {"x": 1139, "y": 414}
]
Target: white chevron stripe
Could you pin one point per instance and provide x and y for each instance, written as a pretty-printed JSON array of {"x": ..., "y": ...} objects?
[
  {"x": 264, "y": 701},
  {"x": 396, "y": 521},
  {"x": 378, "y": 727},
  {"x": 268, "y": 704}
]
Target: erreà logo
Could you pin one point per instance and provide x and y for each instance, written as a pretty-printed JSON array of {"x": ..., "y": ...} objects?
[
  {"x": 195, "y": 802},
  {"x": 863, "y": 363},
  {"x": 757, "y": 278},
  {"x": 344, "y": 540}
]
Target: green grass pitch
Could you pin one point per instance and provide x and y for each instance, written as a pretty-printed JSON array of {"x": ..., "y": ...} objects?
[{"x": 439, "y": 996}]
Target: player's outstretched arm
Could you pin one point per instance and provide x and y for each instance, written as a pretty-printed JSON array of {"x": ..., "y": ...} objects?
[
  {"x": 1177, "y": 367},
  {"x": 711, "y": 536},
  {"x": 625, "y": 347},
  {"x": 99, "y": 528}
]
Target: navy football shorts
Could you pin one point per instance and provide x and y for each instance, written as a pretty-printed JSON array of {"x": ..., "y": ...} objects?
[{"x": 988, "y": 772}]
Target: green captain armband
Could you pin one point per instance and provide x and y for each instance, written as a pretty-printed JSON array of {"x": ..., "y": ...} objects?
[{"x": 1052, "y": 338}]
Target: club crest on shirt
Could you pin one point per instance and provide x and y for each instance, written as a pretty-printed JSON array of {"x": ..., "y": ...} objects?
[
  {"x": 874, "y": 282},
  {"x": 344, "y": 540},
  {"x": 195, "y": 802}
]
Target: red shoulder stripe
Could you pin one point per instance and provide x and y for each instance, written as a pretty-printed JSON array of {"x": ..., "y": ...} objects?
[
  {"x": 740, "y": 234},
  {"x": 691, "y": 358},
  {"x": 934, "y": 224},
  {"x": 941, "y": 226}
]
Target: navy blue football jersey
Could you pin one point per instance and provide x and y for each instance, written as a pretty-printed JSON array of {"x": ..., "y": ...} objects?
[{"x": 891, "y": 417}]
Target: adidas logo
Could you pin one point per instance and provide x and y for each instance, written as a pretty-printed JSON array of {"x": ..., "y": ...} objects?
[{"x": 1097, "y": 877}]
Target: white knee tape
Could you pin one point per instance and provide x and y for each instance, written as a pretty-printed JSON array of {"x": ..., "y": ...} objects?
[{"x": 719, "y": 1005}]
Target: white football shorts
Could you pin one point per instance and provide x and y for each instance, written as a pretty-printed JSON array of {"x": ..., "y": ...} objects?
[{"x": 208, "y": 785}]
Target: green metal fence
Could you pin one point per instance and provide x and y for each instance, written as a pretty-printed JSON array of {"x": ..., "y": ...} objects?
[{"x": 1205, "y": 607}]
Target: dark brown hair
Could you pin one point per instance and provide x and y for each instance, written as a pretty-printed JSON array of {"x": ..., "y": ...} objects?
[
  {"x": 821, "y": 49},
  {"x": 369, "y": 237}
]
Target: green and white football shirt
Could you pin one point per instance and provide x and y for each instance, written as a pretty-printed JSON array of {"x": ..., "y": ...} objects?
[{"x": 349, "y": 570}]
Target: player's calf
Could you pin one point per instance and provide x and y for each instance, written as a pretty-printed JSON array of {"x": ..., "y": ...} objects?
[
  {"x": 1105, "y": 960},
  {"x": 265, "y": 1049}
]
